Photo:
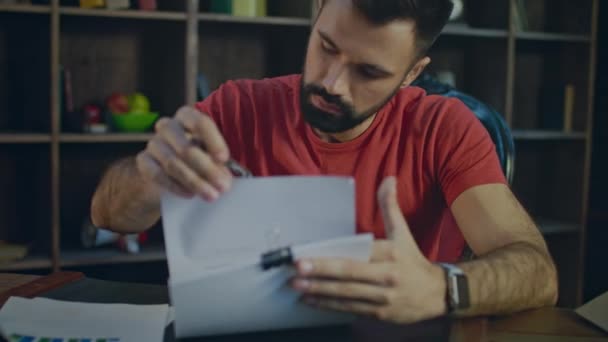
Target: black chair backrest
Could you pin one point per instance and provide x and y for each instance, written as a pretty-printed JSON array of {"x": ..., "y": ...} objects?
[{"x": 490, "y": 118}]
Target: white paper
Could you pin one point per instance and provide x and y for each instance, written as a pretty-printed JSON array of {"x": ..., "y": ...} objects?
[
  {"x": 596, "y": 311},
  {"x": 61, "y": 321},
  {"x": 257, "y": 215},
  {"x": 244, "y": 298},
  {"x": 216, "y": 284}
]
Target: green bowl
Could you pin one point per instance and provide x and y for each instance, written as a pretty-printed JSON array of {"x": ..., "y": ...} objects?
[{"x": 134, "y": 122}]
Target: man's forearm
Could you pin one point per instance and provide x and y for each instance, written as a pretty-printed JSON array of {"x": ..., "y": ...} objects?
[
  {"x": 124, "y": 202},
  {"x": 510, "y": 279}
]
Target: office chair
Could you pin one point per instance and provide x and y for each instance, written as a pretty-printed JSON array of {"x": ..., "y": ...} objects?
[{"x": 491, "y": 120}]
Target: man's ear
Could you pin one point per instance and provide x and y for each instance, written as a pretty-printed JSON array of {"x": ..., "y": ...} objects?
[{"x": 418, "y": 68}]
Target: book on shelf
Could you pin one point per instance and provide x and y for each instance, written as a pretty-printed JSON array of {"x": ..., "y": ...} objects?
[
  {"x": 221, "y": 6},
  {"x": 556, "y": 107},
  {"x": 11, "y": 252},
  {"x": 147, "y": 5},
  {"x": 249, "y": 8},
  {"x": 117, "y": 4},
  {"x": 243, "y": 8},
  {"x": 520, "y": 16}
]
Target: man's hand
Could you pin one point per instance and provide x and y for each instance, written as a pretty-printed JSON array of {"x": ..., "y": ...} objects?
[
  {"x": 175, "y": 159},
  {"x": 399, "y": 284}
]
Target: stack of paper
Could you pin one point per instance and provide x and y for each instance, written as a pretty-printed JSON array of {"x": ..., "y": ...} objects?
[
  {"x": 42, "y": 319},
  {"x": 216, "y": 283}
]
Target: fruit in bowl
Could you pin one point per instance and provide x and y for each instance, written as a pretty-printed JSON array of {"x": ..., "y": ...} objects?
[
  {"x": 134, "y": 122},
  {"x": 131, "y": 113},
  {"x": 138, "y": 103},
  {"x": 118, "y": 103}
]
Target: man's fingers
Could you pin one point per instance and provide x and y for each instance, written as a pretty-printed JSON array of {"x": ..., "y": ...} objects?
[
  {"x": 207, "y": 168},
  {"x": 176, "y": 137},
  {"x": 176, "y": 170},
  {"x": 395, "y": 225},
  {"x": 344, "y": 305},
  {"x": 204, "y": 129},
  {"x": 153, "y": 170},
  {"x": 173, "y": 134},
  {"x": 340, "y": 289},
  {"x": 345, "y": 270}
]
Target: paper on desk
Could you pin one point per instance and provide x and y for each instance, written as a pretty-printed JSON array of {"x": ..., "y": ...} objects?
[
  {"x": 596, "y": 311},
  {"x": 213, "y": 249},
  {"x": 71, "y": 321}
]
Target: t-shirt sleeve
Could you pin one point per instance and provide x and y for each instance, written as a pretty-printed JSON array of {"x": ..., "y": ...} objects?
[
  {"x": 217, "y": 106},
  {"x": 226, "y": 106},
  {"x": 465, "y": 155}
]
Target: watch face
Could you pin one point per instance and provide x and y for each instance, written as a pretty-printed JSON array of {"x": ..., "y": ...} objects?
[{"x": 461, "y": 291}]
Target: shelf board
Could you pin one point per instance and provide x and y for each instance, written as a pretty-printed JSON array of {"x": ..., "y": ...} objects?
[
  {"x": 279, "y": 21},
  {"x": 547, "y": 135},
  {"x": 105, "y": 138},
  {"x": 30, "y": 262},
  {"x": 25, "y": 8},
  {"x": 553, "y": 37},
  {"x": 24, "y": 138},
  {"x": 466, "y": 30},
  {"x": 552, "y": 227},
  {"x": 111, "y": 255},
  {"x": 127, "y": 13}
]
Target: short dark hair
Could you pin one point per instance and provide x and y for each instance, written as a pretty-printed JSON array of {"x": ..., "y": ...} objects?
[{"x": 430, "y": 16}]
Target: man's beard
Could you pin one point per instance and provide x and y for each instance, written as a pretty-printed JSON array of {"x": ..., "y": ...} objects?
[{"x": 329, "y": 122}]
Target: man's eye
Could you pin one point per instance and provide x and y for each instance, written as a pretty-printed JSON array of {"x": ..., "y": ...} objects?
[
  {"x": 327, "y": 48},
  {"x": 367, "y": 72}
]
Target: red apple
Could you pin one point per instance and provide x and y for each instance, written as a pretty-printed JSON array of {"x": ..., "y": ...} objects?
[{"x": 118, "y": 103}]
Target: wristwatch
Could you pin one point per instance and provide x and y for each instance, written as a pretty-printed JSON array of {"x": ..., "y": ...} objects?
[{"x": 457, "y": 292}]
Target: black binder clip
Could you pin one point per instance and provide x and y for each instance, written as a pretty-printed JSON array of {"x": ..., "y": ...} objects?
[{"x": 276, "y": 258}]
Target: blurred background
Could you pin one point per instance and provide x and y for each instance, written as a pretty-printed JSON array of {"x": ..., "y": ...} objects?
[{"x": 83, "y": 81}]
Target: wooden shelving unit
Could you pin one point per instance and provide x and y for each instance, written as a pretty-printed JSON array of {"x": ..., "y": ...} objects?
[
  {"x": 553, "y": 37},
  {"x": 24, "y": 138},
  {"x": 161, "y": 53},
  {"x": 25, "y": 8},
  {"x": 104, "y": 138},
  {"x": 125, "y": 14},
  {"x": 541, "y": 135},
  {"x": 229, "y": 19},
  {"x": 34, "y": 262}
]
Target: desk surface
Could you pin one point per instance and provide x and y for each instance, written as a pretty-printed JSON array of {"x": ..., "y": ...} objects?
[{"x": 548, "y": 324}]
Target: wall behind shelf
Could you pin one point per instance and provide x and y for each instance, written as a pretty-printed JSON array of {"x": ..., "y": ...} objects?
[
  {"x": 231, "y": 52},
  {"x": 24, "y": 73},
  {"x": 542, "y": 71},
  {"x": 548, "y": 178},
  {"x": 108, "y": 55},
  {"x": 24, "y": 199},
  {"x": 479, "y": 66}
]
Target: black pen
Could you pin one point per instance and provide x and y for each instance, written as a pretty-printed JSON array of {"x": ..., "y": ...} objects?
[{"x": 237, "y": 169}]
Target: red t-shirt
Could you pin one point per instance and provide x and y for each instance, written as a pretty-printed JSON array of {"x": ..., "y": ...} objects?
[{"x": 435, "y": 146}]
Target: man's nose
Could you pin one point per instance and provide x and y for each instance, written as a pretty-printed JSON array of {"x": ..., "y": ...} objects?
[{"x": 335, "y": 82}]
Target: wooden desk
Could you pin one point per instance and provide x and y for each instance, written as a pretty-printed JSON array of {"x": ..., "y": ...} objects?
[{"x": 548, "y": 324}]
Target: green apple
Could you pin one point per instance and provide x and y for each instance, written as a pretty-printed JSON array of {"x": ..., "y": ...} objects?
[{"x": 139, "y": 103}]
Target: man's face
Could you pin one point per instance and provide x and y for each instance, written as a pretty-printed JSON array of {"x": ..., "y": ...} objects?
[{"x": 353, "y": 67}]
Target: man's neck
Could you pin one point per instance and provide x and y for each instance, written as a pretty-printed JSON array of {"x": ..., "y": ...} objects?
[{"x": 346, "y": 136}]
